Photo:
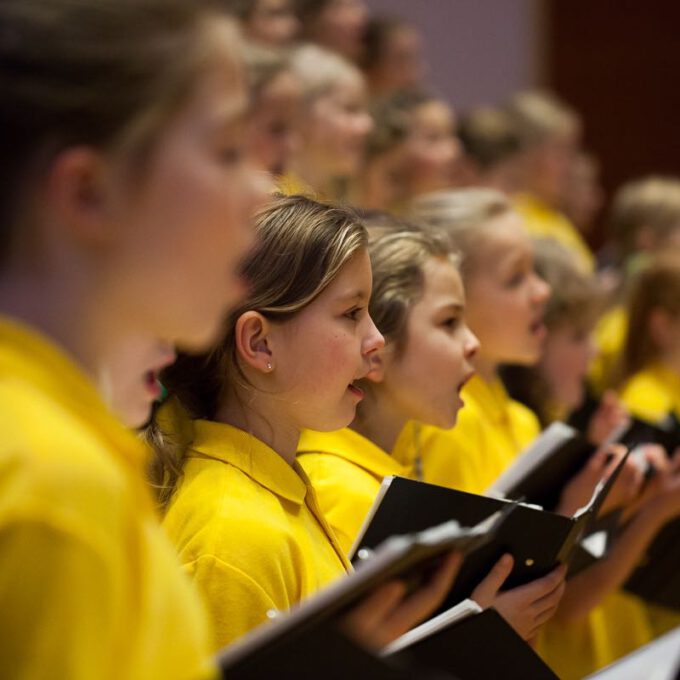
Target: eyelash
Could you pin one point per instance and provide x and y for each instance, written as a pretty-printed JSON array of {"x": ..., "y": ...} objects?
[
  {"x": 451, "y": 322},
  {"x": 354, "y": 313}
]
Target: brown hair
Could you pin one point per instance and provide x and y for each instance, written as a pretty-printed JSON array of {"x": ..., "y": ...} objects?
[
  {"x": 302, "y": 246},
  {"x": 102, "y": 73},
  {"x": 398, "y": 254},
  {"x": 650, "y": 202},
  {"x": 461, "y": 214},
  {"x": 538, "y": 115},
  {"x": 656, "y": 287},
  {"x": 488, "y": 136}
]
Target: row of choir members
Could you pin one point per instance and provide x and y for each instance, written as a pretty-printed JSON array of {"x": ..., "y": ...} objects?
[{"x": 330, "y": 351}]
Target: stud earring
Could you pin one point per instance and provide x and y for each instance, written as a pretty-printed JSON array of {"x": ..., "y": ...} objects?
[{"x": 269, "y": 366}]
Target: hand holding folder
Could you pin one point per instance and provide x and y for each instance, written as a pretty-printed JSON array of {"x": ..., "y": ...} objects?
[
  {"x": 408, "y": 558},
  {"x": 538, "y": 540}
]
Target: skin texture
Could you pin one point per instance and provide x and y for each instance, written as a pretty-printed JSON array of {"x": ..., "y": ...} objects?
[
  {"x": 272, "y": 22},
  {"x": 438, "y": 343},
  {"x": 506, "y": 298}
]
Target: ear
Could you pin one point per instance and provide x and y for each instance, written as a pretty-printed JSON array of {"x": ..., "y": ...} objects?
[
  {"x": 252, "y": 341},
  {"x": 76, "y": 190}
]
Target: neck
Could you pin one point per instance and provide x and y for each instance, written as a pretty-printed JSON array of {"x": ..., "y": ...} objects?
[
  {"x": 311, "y": 172},
  {"x": 64, "y": 310},
  {"x": 250, "y": 415},
  {"x": 486, "y": 368},
  {"x": 380, "y": 421}
]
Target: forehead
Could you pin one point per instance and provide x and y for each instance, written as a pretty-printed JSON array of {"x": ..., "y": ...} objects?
[
  {"x": 434, "y": 114},
  {"x": 503, "y": 238},
  {"x": 441, "y": 280}
]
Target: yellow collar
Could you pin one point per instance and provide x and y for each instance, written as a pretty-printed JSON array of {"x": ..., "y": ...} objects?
[
  {"x": 490, "y": 398},
  {"x": 32, "y": 358},
  {"x": 250, "y": 455},
  {"x": 354, "y": 447}
]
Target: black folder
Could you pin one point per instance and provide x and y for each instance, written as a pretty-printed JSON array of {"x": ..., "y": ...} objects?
[
  {"x": 658, "y": 660},
  {"x": 538, "y": 540},
  {"x": 657, "y": 577},
  {"x": 478, "y": 647},
  {"x": 408, "y": 557},
  {"x": 322, "y": 652},
  {"x": 543, "y": 469}
]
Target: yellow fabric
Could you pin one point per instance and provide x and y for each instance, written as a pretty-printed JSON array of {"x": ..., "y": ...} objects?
[
  {"x": 491, "y": 430},
  {"x": 89, "y": 585},
  {"x": 542, "y": 221},
  {"x": 248, "y": 530},
  {"x": 653, "y": 393},
  {"x": 346, "y": 470},
  {"x": 616, "y": 627},
  {"x": 610, "y": 335}
]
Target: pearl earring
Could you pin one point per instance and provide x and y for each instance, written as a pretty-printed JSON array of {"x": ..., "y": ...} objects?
[{"x": 269, "y": 366}]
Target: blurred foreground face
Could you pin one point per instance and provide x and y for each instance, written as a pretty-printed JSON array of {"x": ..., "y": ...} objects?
[
  {"x": 129, "y": 379},
  {"x": 272, "y": 22},
  {"x": 184, "y": 230},
  {"x": 340, "y": 26},
  {"x": 401, "y": 65},
  {"x": 336, "y": 128},
  {"x": 273, "y": 124}
]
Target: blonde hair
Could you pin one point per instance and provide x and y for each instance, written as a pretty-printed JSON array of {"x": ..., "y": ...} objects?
[
  {"x": 576, "y": 299},
  {"x": 302, "y": 246},
  {"x": 462, "y": 215},
  {"x": 320, "y": 71},
  {"x": 399, "y": 252},
  {"x": 650, "y": 202},
  {"x": 264, "y": 65},
  {"x": 656, "y": 287},
  {"x": 538, "y": 115}
]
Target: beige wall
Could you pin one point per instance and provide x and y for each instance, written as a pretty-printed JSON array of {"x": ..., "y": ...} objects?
[{"x": 479, "y": 51}]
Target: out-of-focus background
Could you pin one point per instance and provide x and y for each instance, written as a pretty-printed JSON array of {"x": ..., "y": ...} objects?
[{"x": 617, "y": 63}]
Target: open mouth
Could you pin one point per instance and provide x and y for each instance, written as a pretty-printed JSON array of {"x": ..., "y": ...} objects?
[
  {"x": 356, "y": 390},
  {"x": 152, "y": 384}
]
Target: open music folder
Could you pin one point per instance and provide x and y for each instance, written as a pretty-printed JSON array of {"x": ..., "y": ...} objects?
[
  {"x": 411, "y": 558},
  {"x": 478, "y": 644},
  {"x": 539, "y": 540}
]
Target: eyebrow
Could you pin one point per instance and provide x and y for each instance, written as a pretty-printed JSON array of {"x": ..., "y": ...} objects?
[
  {"x": 452, "y": 306},
  {"x": 353, "y": 295}
]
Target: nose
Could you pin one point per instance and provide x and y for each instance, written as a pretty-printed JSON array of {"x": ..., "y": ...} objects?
[
  {"x": 363, "y": 123},
  {"x": 373, "y": 339},
  {"x": 541, "y": 289},
  {"x": 472, "y": 344}
]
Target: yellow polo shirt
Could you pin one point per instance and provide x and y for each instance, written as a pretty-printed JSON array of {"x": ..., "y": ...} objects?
[
  {"x": 90, "y": 587},
  {"x": 491, "y": 430},
  {"x": 346, "y": 470},
  {"x": 653, "y": 393},
  {"x": 248, "y": 530},
  {"x": 542, "y": 221},
  {"x": 610, "y": 336}
]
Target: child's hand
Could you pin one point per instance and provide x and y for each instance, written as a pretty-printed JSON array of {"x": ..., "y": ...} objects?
[
  {"x": 526, "y": 607},
  {"x": 579, "y": 490},
  {"x": 389, "y": 611},
  {"x": 610, "y": 414},
  {"x": 661, "y": 497}
]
